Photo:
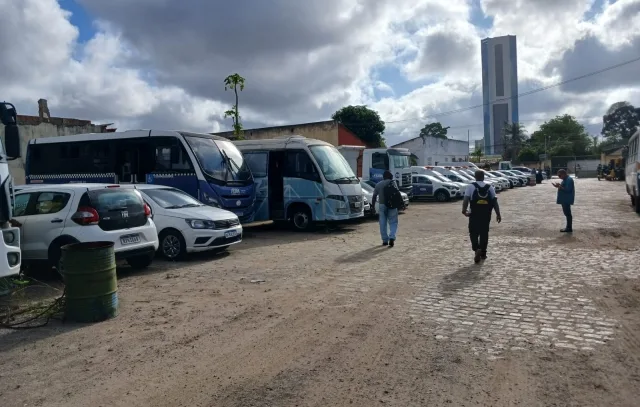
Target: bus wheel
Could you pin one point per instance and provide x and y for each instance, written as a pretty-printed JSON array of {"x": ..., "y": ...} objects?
[{"x": 301, "y": 218}]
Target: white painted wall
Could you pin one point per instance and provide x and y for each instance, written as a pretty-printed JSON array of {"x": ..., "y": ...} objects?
[
  {"x": 432, "y": 150},
  {"x": 29, "y": 132}
]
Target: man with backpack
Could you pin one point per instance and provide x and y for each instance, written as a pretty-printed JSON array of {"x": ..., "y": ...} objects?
[
  {"x": 483, "y": 201},
  {"x": 390, "y": 202}
]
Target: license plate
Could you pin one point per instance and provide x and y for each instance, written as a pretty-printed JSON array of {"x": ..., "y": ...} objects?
[
  {"x": 231, "y": 233},
  {"x": 130, "y": 239},
  {"x": 356, "y": 204}
]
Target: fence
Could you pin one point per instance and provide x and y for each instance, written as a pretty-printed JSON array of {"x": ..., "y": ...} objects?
[{"x": 580, "y": 166}]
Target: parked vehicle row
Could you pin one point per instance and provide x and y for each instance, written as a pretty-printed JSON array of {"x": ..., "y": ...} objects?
[{"x": 138, "y": 219}]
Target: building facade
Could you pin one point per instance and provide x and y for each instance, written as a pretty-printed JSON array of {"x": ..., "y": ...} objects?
[
  {"x": 330, "y": 131},
  {"x": 499, "y": 89},
  {"x": 43, "y": 125},
  {"x": 436, "y": 151}
]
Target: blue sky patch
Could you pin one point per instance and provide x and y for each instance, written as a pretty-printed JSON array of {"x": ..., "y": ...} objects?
[{"x": 80, "y": 18}]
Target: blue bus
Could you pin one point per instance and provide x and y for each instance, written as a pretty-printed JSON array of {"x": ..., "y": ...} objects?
[
  {"x": 302, "y": 181},
  {"x": 209, "y": 168}
]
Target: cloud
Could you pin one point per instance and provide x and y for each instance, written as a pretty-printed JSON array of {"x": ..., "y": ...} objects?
[{"x": 161, "y": 64}]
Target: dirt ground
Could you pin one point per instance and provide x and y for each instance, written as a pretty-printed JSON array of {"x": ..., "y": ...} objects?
[{"x": 547, "y": 320}]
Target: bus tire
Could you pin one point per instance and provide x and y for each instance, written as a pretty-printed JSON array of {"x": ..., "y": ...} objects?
[
  {"x": 300, "y": 217},
  {"x": 442, "y": 196}
]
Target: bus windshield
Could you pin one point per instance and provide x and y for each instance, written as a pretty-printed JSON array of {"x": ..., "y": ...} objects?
[
  {"x": 219, "y": 159},
  {"x": 400, "y": 161},
  {"x": 333, "y": 165}
]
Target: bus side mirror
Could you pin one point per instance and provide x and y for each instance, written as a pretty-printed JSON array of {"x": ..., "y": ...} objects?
[{"x": 12, "y": 141}]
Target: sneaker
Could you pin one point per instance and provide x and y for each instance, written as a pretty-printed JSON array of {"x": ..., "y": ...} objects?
[
  {"x": 483, "y": 256},
  {"x": 392, "y": 242},
  {"x": 385, "y": 243},
  {"x": 478, "y": 256}
]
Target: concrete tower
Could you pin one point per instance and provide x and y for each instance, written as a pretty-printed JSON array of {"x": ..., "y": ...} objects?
[{"x": 499, "y": 89}]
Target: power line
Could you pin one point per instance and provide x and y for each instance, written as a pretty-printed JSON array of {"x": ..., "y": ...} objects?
[{"x": 531, "y": 92}]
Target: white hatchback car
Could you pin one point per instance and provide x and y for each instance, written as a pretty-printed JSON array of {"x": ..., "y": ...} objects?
[
  {"x": 52, "y": 216},
  {"x": 185, "y": 225}
]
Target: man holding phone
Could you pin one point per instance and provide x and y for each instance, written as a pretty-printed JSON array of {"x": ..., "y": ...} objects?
[{"x": 566, "y": 197}]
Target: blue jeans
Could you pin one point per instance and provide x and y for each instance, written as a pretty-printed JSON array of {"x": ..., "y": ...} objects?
[
  {"x": 390, "y": 216},
  {"x": 566, "y": 209}
]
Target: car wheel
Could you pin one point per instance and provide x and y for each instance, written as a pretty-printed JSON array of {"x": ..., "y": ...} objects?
[
  {"x": 172, "y": 245},
  {"x": 441, "y": 196},
  {"x": 55, "y": 252},
  {"x": 140, "y": 262},
  {"x": 301, "y": 219}
]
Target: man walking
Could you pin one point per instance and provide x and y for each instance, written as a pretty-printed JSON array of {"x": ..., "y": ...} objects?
[
  {"x": 483, "y": 201},
  {"x": 566, "y": 198},
  {"x": 390, "y": 202}
]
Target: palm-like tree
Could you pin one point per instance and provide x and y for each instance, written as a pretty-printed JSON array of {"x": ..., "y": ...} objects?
[{"x": 514, "y": 136}]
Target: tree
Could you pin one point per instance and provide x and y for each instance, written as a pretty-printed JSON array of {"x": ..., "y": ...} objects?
[
  {"x": 477, "y": 154},
  {"x": 621, "y": 122},
  {"x": 528, "y": 154},
  {"x": 514, "y": 135},
  {"x": 562, "y": 136},
  {"x": 433, "y": 130},
  {"x": 363, "y": 122},
  {"x": 233, "y": 82}
]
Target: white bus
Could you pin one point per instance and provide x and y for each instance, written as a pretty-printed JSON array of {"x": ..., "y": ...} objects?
[
  {"x": 301, "y": 180},
  {"x": 631, "y": 171}
]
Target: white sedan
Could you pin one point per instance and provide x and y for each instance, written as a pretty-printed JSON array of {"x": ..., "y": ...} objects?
[{"x": 185, "y": 225}]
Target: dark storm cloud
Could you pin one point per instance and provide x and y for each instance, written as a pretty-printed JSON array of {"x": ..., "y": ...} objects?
[
  {"x": 589, "y": 55},
  {"x": 442, "y": 52},
  {"x": 196, "y": 44}
]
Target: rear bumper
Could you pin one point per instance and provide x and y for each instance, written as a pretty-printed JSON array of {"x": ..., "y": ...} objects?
[{"x": 149, "y": 250}]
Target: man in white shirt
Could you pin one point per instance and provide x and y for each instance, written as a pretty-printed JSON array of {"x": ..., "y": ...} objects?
[{"x": 483, "y": 201}]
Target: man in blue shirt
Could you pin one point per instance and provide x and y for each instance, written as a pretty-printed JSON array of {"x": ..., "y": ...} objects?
[{"x": 566, "y": 198}]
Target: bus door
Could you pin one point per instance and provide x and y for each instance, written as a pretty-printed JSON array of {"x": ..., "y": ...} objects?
[{"x": 276, "y": 184}]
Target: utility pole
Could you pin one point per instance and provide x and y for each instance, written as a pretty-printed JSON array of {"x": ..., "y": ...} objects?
[{"x": 469, "y": 143}]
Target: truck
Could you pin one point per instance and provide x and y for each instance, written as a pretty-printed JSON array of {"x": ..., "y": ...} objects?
[
  {"x": 375, "y": 161},
  {"x": 10, "y": 256}
]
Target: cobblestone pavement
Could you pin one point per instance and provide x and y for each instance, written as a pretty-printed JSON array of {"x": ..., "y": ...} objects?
[{"x": 333, "y": 318}]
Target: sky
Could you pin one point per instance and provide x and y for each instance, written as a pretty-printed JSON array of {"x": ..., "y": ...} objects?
[{"x": 161, "y": 63}]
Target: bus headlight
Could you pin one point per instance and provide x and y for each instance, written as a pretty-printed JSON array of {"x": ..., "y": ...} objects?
[{"x": 9, "y": 237}]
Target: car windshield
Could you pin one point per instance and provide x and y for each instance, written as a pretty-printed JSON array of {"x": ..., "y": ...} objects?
[
  {"x": 463, "y": 174},
  {"x": 333, "y": 165},
  {"x": 170, "y": 198},
  {"x": 218, "y": 159},
  {"x": 440, "y": 177},
  {"x": 400, "y": 161},
  {"x": 366, "y": 187}
]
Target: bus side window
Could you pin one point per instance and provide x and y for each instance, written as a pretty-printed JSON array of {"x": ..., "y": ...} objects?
[
  {"x": 170, "y": 155},
  {"x": 380, "y": 161},
  {"x": 299, "y": 165}
]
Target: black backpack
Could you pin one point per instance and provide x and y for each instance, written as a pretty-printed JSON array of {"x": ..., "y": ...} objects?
[
  {"x": 392, "y": 197},
  {"x": 481, "y": 200}
]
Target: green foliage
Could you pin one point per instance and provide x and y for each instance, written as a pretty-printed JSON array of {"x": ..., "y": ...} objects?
[
  {"x": 363, "y": 122},
  {"x": 621, "y": 122},
  {"x": 528, "y": 154},
  {"x": 234, "y": 82},
  {"x": 477, "y": 153},
  {"x": 434, "y": 130},
  {"x": 514, "y": 135},
  {"x": 564, "y": 136}
]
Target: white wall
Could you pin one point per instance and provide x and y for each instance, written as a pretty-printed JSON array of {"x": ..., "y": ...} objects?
[
  {"x": 432, "y": 150},
  {"x": 29, "y": 132}
]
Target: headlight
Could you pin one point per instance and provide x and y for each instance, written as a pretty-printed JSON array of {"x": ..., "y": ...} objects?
[
  {"x": 13, "y": 259},
  {"x": 200, "y": 223},
  {"x": 9, "y": 237}
]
